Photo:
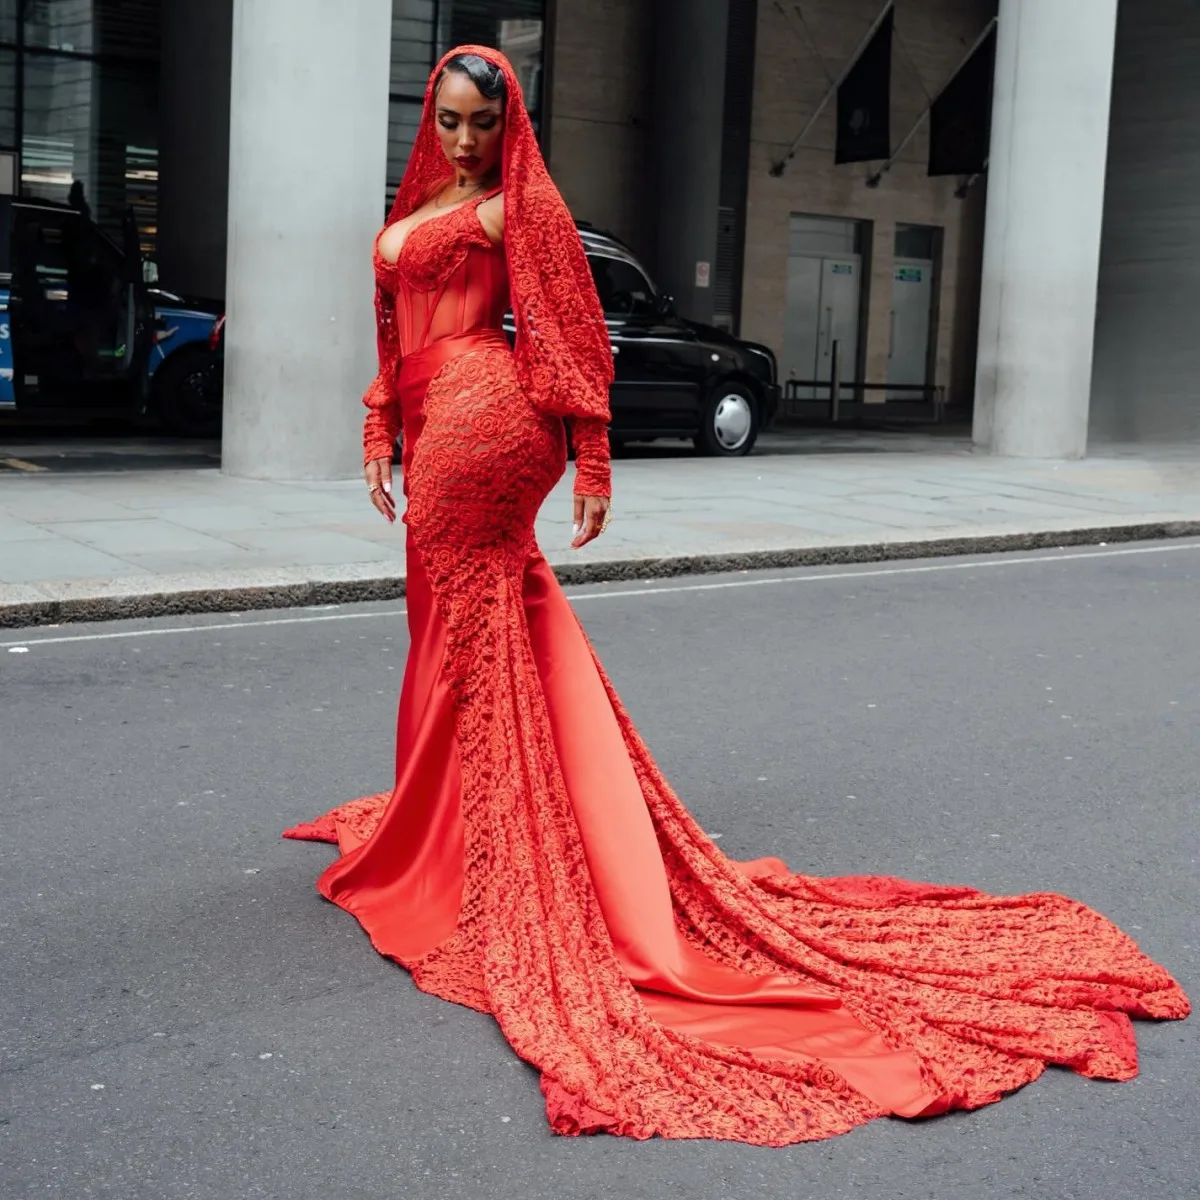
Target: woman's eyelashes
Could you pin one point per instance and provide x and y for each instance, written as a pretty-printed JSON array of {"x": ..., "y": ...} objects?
[{"x": 484, "y": 123}]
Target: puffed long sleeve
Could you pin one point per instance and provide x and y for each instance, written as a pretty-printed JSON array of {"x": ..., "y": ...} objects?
[
  {"x": 593, "y": 471},
  {"x": 381, "y": 426}
]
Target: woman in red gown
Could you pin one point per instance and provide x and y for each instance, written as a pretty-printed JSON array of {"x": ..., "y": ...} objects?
[{"x": 531, "y": 861}]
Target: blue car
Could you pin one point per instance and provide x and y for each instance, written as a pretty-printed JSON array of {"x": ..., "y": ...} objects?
[{"x": 82, "y": 332}]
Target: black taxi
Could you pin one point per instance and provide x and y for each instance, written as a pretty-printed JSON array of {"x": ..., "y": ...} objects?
[{"x": 676, "y": 378}]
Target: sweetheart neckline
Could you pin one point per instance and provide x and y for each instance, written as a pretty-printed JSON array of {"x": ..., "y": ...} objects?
[{"x": 473, "y": 203}]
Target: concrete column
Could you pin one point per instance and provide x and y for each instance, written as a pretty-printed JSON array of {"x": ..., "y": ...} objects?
[
  {"x": 193, "y": 155},
  {"x": 689, "y": 108},
  {"x": 307, "y": 172},
  {"x": 1041, "y": 253}
]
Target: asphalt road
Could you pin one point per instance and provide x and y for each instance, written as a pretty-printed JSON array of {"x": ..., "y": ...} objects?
[{"x": 182, "y": 1016}]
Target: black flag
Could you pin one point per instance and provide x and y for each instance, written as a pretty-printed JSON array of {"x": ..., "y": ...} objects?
[
  {"x": 864, "y": 101},
  {"x": 960, "y": 119}
]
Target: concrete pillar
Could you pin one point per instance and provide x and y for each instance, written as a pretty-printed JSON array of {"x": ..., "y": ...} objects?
[
  {"x": 689, "y": 108},
  {"x": 1041, "y": 253},
  {"x": 307, "y": 171},
  {"x": 193, "y": 156}
]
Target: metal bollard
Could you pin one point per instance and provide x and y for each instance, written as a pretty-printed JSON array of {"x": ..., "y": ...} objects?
[{"x": 835, "y": 383}]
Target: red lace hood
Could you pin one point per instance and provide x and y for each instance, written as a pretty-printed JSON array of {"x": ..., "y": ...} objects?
[{"x": 564, "y": 358}]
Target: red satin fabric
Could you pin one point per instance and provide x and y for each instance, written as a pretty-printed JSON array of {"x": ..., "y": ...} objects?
[{"x": 405, "y": 883}]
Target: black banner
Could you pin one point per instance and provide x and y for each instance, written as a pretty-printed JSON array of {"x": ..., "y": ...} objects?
[
  {"x": 864, "y": 101},
  {"x": 960, "y": 119}
]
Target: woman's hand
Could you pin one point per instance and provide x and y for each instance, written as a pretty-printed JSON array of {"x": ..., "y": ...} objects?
[
  {"x": 591, "y": 519},
  {"x": 378, "y": 473}
]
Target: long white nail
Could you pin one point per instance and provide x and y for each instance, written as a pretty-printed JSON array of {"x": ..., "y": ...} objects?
[
  {"x": 576, "y": 530},
  {"x": 387, "y": 487}
]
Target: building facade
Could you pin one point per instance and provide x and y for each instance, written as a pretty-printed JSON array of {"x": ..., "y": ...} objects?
[
  {"x": 823, "y": 255},
  {"x": 1049, "y": 297},
  {"x": 259, "y": 142},
  {"x": 78, "y": 105}
]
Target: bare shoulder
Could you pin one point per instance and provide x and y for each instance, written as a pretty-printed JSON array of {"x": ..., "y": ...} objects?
[{"x": 491, "y": 217}]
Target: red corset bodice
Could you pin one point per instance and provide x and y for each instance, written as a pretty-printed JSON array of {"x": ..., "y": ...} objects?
[
  {"x": 450, "y": 279},
  {"x": 449, "y": 285}
]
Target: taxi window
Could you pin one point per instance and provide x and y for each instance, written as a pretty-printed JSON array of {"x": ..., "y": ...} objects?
[
  {"x": 624, "y": 290},
  {"x": 50, "y": 246}
]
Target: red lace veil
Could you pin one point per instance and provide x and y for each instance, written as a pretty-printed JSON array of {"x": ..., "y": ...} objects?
[{"x": 564, "y": 359}]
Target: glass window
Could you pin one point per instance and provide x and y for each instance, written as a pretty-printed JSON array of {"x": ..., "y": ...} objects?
[
  {"x": 8, "y": 99},
  {"x": 73, "y": 281},
  {"x": 916, "y": 241},
  {"x": 404, "y": 120},
  {"x": 515, "y": 27},
  {"x": 60, "y": 25},
  {"x": 49, "y": 242},
  {"x": 520, "y": 40},
  {"x": 814, "y": 235},
  {"x": 57, "y": 135},
  {"x": 414, "y": 29},
  {"x": 109, "y": 28},
  {"x": 484, "y": 22},
  {"x": 8, "y": 20},
  {"x": 90, "y": 138},
  {"x": 624, "y": 290},
  {"x": 423, "y": 30}
]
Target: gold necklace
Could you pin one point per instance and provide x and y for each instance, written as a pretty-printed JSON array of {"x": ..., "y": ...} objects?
[{"x": 458, "y": 199}]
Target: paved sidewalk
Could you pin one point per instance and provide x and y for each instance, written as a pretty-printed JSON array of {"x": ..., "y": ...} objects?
[{"x": 85, "y": 543}]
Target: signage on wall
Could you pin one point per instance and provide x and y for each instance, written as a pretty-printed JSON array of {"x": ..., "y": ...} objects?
[
  {"x": 908, "y": 274},
  {"x": 703, "y": 274},
  {"x": 843, "y": 268}
]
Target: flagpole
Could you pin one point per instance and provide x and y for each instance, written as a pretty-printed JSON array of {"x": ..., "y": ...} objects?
[
  {"x": 874, "y": 180},
  {"x": 778, "y": 168}
]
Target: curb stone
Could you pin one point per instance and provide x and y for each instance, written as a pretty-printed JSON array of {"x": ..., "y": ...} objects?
[{"x": 235, "y": 598}]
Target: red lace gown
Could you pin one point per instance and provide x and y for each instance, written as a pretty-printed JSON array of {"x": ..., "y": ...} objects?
[{"x": 531, "y": 861}]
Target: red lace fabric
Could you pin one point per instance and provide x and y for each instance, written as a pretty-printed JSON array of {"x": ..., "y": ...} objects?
[
  {"x": 563, "y": 355},
  {"x": 532, "y": 862}
]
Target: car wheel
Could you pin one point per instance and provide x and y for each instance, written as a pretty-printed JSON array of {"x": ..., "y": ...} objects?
[
  {"x": 188, "y": 390},
  {"x": 729, "y": 426}
]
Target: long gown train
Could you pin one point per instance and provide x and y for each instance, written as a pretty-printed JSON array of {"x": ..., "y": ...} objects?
[{"x": 532, "y": 862}]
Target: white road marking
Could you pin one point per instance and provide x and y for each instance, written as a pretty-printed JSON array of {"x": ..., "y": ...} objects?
[
  {"x": 665, "y": 588},
  {"x": 133, "y": 633}
]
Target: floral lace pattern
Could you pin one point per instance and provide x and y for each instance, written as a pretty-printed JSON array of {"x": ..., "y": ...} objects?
[
  {"x": 562, "y": 350},
  {"x": 985, "y": 991}
]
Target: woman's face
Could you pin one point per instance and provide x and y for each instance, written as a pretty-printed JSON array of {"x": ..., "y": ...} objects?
[{"x": 470, "y": 126}]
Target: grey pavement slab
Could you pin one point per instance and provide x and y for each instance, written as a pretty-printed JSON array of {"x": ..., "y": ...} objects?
[
  {"x": 13, "y": 529},
  {"x": 133, "y": 535},
  {"x": 56, "y": 559},
  {"x": 226, "y": 519},
  {"x": 194, "y": 538}
]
